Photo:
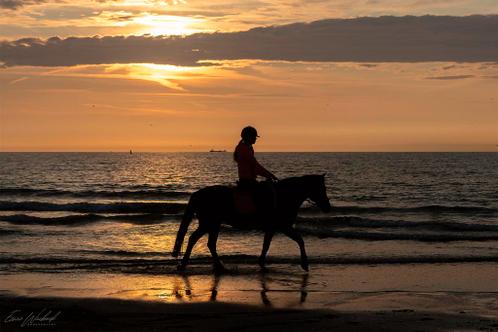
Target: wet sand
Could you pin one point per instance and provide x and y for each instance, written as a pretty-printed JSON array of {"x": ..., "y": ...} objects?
[
  {"x": 423, "y": 297},
  {"x": 76, "y": 314}
]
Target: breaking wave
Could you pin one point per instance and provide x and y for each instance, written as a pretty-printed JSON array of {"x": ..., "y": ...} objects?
[
  {"x": 354, "y": 221},
  {"x": 142, "y": 194},
  {"x": 421, "y": 209},
  {"x": 345, "y": 227},
  {"x": 121, "y": 207},
  {"x": 141, "y": 219},
  {"x": 168, "y": 265}
]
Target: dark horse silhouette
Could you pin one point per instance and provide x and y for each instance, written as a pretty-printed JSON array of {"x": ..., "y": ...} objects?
[{"x": 215, "y": 205}]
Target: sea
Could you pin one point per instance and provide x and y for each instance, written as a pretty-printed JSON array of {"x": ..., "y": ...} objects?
[{"x": 119, "y": 212}]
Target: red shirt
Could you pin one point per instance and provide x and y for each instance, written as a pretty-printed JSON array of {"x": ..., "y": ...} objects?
[{"x": 248, "y": 166}]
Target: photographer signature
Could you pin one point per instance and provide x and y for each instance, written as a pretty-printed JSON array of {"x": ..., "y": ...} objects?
[{"x": 45, "y": 317}]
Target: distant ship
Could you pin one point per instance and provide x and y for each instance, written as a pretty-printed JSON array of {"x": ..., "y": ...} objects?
[
  {"x": 217, "y": 150},
  {"x": 131, "y": 152}
]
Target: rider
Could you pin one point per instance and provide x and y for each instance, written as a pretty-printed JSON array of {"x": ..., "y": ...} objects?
[
  {"x": 249, "y": 169},
  {"x": 248, "y": 166}
]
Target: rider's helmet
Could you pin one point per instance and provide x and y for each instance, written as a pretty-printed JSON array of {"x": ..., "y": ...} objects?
[{"x": 248, "y": 132}]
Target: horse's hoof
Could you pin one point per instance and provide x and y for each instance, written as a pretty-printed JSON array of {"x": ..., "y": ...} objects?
[
  {"x": 214, "y": 294},
  {"x": 180, "y": 267},
  {"x": 261, "y": 263},
  {"x": 305, "y": 266},
  {"x": 304, "y": 295},
  {"x": 174, "y": 254}
]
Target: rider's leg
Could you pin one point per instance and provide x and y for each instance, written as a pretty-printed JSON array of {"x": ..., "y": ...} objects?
[{"x": 294, "y": 235}]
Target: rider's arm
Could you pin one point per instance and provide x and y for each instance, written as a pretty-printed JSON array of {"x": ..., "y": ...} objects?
[
  {"x": 260, "y": 170},
  {"x": 246, "y": 156}
]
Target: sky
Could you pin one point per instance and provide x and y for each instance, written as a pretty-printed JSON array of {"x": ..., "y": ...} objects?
[{"x": 336, "y": 75}]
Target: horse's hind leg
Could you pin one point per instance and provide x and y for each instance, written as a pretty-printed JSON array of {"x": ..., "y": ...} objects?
[
  {"x": 294, "y": 235},
  {"x": 196, "y": 235},
  {"x": 266, "y": 245},
  {"x": 213, "y": 238}
]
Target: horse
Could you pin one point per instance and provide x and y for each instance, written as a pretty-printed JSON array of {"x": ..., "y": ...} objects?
[{"x": 215, "y": 205}]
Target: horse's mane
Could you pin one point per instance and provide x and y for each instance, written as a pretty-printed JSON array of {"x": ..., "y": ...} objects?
[{"x": 299, "y": 183}]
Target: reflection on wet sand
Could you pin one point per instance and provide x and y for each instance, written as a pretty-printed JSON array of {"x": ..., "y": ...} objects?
[{"x": 183, "y": 291}]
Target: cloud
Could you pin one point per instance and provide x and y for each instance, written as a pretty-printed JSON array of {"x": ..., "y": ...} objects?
[
  {"x": 18, "y": 80},
  {"x": 368, "y": 65},
  {"x": 16, "y": 4},
  {"x": 453, "y": 77},
  {"x": 449, "y": 67},
  {"x": 370, "y": 40}
]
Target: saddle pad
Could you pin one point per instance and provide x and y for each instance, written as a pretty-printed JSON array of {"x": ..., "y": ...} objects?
[{"x": 244, "y": 202}]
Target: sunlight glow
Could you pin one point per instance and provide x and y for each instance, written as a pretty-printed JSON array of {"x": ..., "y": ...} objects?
[
  {"x": 158, "y": 25},
  {"x": 166, "y": 75}
]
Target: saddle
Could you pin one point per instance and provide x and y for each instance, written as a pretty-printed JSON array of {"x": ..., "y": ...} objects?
[{"x": 254, "y": 201}]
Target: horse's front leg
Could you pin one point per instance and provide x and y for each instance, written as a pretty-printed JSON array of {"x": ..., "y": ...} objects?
[
  {"x": 266, "y": 246},
  {"x": 294, "y": 235}
]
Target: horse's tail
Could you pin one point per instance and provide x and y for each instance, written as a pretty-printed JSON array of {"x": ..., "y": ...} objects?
[{"x": 188, "y": 215}]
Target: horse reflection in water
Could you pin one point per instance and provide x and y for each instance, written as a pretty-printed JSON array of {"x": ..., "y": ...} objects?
[
  {"x": 264, "y": 290},
  {"x": 182, "y": 293},
  {"x": 215, "y": 205},
  {"x": 185, "y": 292}
]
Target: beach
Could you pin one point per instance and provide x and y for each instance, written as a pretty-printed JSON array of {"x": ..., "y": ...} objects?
[
  {"x": 127, "y": 315},
  {"x": 415, "y": 297}
]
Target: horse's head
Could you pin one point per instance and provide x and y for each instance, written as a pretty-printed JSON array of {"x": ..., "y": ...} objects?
[{"x": 318, "y": 193}]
